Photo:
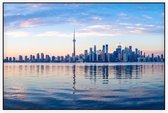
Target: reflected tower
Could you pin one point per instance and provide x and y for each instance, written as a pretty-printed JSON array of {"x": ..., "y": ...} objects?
[{"x": 74, "y": 79}]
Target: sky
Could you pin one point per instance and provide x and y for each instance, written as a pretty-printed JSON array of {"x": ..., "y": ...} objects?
[{"x": 48, "y": 28}]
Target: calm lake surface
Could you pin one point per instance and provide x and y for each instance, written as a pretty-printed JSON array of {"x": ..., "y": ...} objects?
[{"x": 84, "y": 86}]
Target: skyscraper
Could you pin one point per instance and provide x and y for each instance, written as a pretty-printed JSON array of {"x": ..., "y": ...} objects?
[
  {"x": 106, "y": 58},
  {"x": 38, "y": 56},
  {"x": 95, "y": 55},
  {"x": 74, "y": 52},
  {"x": 10, "y": 59},
  {"x": 152, "y": 57},
  {"x": 85, "y": 55},
  {"x": 90, "y": 55},
  {"x": 42, "y": 57},
  {"x": 31, "y": 58},
  {"x": 53, "y": 58},
  {"x": 20, "y": 58},
  {"x": 14, "y": 59},
  {"x": 119, "y": 53},
  {"x": 103, "y": 53},
  {"x": 130, "y": 48},
  {"x": 26, "y": 58},
  {"x": 6, "y": 59}
]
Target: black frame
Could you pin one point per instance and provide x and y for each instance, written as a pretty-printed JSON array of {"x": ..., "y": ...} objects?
[{"x": 3, "y": 3}]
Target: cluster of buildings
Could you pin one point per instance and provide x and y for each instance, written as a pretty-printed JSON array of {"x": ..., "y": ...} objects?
[{"x": 93, "y": 55}]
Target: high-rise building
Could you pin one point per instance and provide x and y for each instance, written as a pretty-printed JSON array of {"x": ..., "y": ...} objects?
[
  {"x": 42, "y": 57},
  {"x": 68, "y": 58},
  {"x": 162, "y": 57},
  {"x": 62, "y": 58},
  {"x": 10, "y": 59},
  {"x": 106, "y": 55},
  {"x": 90, "y": 55},
  {"x": 130, "y": 48},
  {"x": 136, "y": 51},
  {"x": 99, "y": 57},
  {"x": 31, "y": 58},
  {"x": 141, "y": 53},
  {"x": 7, "y": 59},
  {"x": 53, "y": 58},
  {"x": 47, "y": 59},
  {"x": 26, "y": 58},
  {"x": 95, "y": 54},
  {"x": 152, "y": 58},
  {"x": 125, "y": 56},
  {"x": 38, "y": 57},
  {"x": 58, "y": 58},
  {"x": 103, "y": 53},
  {"x": 20, "y": 58},
  {"x": 119, "y": 53},
  {"x": 14, "y": 59},
  {"x": 86, "y": 56}
]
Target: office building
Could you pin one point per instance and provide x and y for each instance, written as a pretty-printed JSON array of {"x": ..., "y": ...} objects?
[{"x": 20, "y": 58}]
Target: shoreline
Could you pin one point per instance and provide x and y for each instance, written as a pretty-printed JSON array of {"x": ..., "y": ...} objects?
[{"x": 86, "y": 63}]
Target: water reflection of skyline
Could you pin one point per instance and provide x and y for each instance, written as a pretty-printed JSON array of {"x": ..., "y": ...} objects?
[
  {"x": 102, "y": 83},
  {"x": 91, "y": 72},
  {"x": 84, "y": 69},
  {"x": 74, "y": 78}
]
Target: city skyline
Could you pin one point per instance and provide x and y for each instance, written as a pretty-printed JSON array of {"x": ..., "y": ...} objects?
[
  {"x": 47, "y": 28},
  {"x": 126, "y": 54}
]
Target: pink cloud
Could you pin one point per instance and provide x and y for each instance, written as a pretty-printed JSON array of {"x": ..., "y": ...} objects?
[
  {"x": 30, "y": 23},
  {"x": 16, "y": 34}
]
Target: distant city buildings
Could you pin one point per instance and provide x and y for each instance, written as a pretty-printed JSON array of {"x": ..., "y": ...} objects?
[
  {"x": 93, "y": 55},
  {"x": 119, "y": 55}
]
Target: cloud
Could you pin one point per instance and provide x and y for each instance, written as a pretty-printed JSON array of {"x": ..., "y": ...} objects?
[
  {"x": 37, "y": 5},
  {"x": 150, "y": 25},
  {"x": 55, "y": 34},
  {"x": 125, "y": 24},
  {"x": 136, "y": 31},
  {"x": 130, "y": 27},
  {"x": 20, "y": 16},
  {"x": 147, "y": 17},
  {"x": 97, "y": 18},
  {"x": 99, "y": 30},
  {"x": 137, "y": 24},
  {"x": 97, "y": 27},
  {"x": 121, "y": 29},
  {"x": 122, "y": 14},
  {"x": 30, "y": 23},
  {"x": 16, "y": 34},
  {"x": 94, "y": 31},
  {"x": 84, "y": 14}
]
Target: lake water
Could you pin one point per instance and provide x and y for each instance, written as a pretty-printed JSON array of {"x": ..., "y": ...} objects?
[{"x": 84, "y": 86}]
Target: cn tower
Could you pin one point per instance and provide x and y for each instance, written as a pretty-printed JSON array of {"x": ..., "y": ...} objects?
[{"x": 74, "y": 52}]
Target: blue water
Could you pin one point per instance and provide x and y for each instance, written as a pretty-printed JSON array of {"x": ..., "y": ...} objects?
[{"x": 84, "y": 86}]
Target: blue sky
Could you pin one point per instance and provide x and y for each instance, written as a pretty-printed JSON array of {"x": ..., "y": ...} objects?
[{"x": 48, "y": 28}]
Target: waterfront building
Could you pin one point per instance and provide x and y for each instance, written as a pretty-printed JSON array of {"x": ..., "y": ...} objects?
[
  {"x": 103, "y": 53},
  {"x": 90, "y": 55},
  {"x": 42, "y": 57},
  {"x": 20, "y": 58},
  {"x": 38, "y": 57}
]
